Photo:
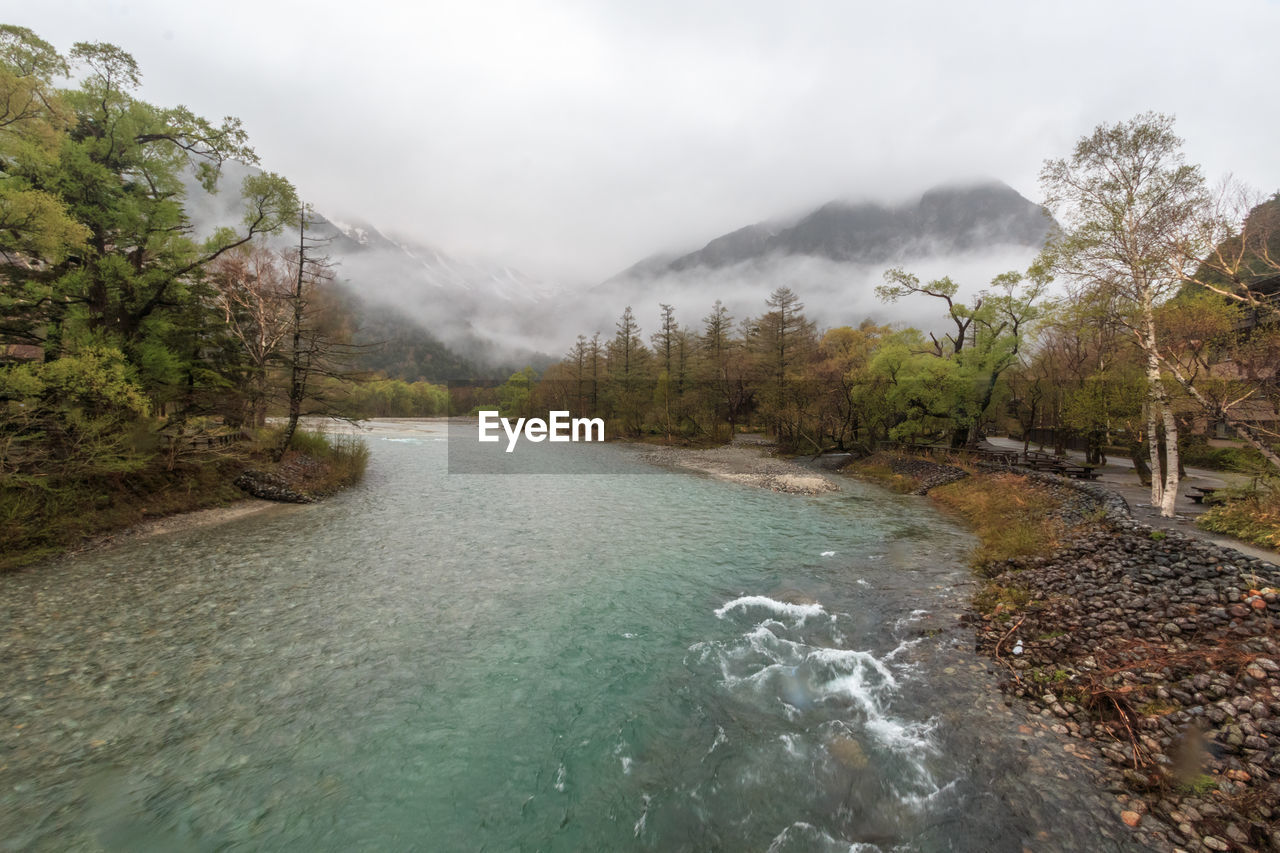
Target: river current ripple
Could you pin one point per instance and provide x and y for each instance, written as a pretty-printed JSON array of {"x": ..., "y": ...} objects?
[{"x": 608, "y": 657}]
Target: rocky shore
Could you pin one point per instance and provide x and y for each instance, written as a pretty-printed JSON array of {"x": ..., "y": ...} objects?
[
  {"x": 1156, "y": 648},
  {"x": 268, "y": 486},
  {"x": 747, "y": 462},
  {"x": 298, "y": 480}
]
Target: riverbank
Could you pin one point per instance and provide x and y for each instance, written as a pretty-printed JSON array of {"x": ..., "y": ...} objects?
[
  {"x": 47, "y": 517},
  {"x": 195, "y": 519},
  {"x": 1156, "y": 648},
  {"x": 747, "y": 461}
]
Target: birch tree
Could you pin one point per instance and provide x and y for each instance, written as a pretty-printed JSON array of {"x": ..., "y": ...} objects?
[{"x": 1130, "y": 209}]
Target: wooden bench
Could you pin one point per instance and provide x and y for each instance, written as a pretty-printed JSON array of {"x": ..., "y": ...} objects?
[
  {"x": 1044, "y": 462},
  {"x": 1000, "y": 457}
]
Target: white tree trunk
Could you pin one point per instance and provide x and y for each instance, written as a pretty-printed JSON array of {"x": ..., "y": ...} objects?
[
  {"x": 1157, "y": 484},
  {"x": 1167, "y": 507},
  {"x": 1164, "y": 493}
]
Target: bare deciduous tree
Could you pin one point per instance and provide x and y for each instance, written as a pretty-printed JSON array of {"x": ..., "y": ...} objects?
[{"x": 252, "y": 290}]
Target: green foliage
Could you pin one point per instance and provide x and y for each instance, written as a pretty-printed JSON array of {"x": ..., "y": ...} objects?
[
  {"x": 75, "y": 415},
  {"x": 848, "y": 388},
  {"x": 1199, "y": 786},
  {"x": 1255, "y": 519},
  {"x": 515, "y": 396},
  {"x": 1198, "y": 453},
  {"x": 393, "y": 398},
  {"x": 101, "y": 275}
]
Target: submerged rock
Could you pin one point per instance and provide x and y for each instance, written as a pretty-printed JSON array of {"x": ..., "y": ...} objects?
[{"x": 848, "y": 752}]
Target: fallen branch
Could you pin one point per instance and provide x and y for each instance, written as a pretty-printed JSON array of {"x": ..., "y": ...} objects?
[{"x": 1000, "y": 642}]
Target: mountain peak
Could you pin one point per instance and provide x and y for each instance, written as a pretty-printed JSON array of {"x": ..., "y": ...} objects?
[{"x": 944, "y": 220}]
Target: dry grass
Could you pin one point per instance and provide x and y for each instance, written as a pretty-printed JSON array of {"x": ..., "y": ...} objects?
[
  {"x": 1255, "y": 520},
  {"x": 41, "y": 520},
  {"x": 882, "y": 474},
  {"x": 1011, "y": 516}
]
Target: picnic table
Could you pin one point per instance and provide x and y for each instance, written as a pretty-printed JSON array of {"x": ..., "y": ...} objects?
[
  {"x": 1038, "y": 461},
  {"x": 1043, "y": 461},
  {"x": 1199, "y": 494}
]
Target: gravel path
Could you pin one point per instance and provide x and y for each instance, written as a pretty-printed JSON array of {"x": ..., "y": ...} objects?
[{"x": 1118, "y": 476}]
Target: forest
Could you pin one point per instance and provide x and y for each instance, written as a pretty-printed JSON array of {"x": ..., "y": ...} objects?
[
  {"x": 139, "y": 362},
  {"x": 1146, "y": 327},
  {"x": 134, "y": 352}
]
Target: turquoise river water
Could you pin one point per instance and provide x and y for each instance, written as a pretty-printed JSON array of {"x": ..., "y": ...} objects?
[{"x": 628, "y": 658}]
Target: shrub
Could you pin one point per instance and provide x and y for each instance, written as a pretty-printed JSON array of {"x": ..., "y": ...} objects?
[
  {"x": 1255, "y": 519},
  {"x": 1198, "y": 454}
]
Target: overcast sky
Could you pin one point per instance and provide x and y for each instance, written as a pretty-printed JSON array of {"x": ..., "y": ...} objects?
[{"x": 571, "y": 139}]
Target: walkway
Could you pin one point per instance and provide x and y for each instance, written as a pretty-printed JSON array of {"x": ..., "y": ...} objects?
[{"x": 1118, "y": 475}]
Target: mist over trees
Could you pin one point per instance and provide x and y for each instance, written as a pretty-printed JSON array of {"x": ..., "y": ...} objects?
[
  {"x": 121, "y": 330},
  {"x": 1149, "y": 319}
]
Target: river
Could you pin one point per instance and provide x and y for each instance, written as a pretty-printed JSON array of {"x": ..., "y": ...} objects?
[{"x": 624, "y": 658}]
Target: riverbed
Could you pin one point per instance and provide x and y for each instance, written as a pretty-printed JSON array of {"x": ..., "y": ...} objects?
[{"x": 609, "y": 655}]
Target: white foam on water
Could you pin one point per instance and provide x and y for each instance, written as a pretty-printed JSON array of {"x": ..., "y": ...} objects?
[
  {"x": 905, "y": 737},
  {"x": 782, "y": 608},
  {"x": 793, "y": 744},
  {"x": 828, "y": 553},
  {"x": 904, "y": 621},
  {"x": 626, "y": 765},
  {"x": 921, "y": 800},
  {"x": 720, "y": 738},
  {"x": 776, "y": 663},
  {"x": 639, "y": 827},
  {"x": 904, "y": 646},
  {"x": 807, "y": 837},
  {"x": 561, "y": 773}
]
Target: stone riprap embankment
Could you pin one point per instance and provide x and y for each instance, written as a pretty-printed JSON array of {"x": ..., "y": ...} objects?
[
  {"x": 926, "y": 474},
  {"x": 271, "y": 487},
  {"x": 292, "y": 481},
  {"x": 1162, "y": 650}
]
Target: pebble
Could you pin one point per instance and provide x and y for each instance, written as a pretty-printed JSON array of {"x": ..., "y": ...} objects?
[{"x": 1175, "y": 632}]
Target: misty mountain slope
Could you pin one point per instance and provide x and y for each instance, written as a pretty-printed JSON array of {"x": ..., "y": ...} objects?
[
  {"x": 469, "y": 314},
  {"x": 442, "y": 315},
  {"x": 833, "y": 257},
  {"x": 945, "y": 220},
  {"x": 752, "y": 241}
]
